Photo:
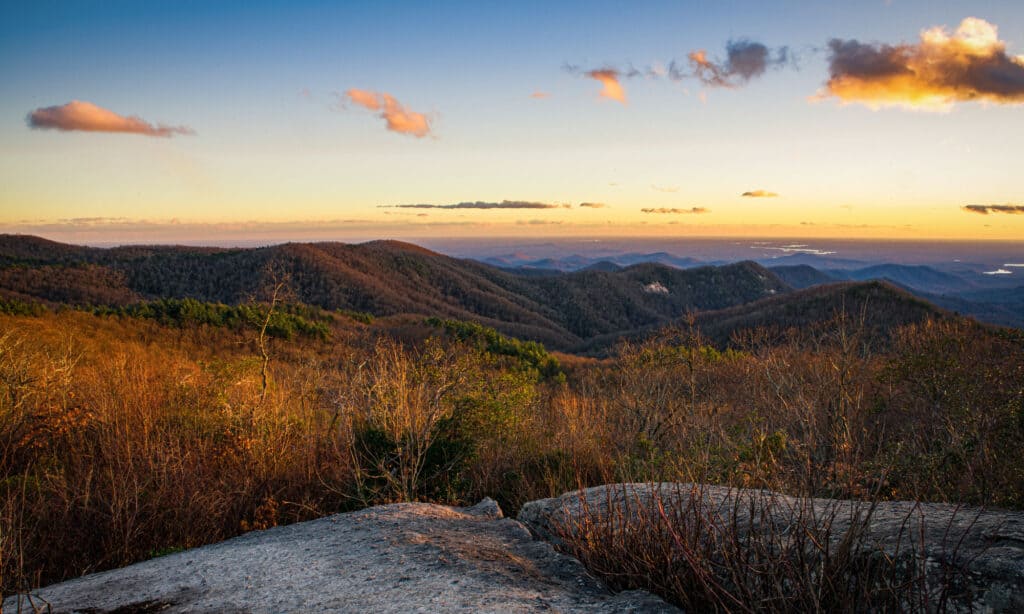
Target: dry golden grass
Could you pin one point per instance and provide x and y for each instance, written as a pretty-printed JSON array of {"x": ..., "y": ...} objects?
[{"x": 122, "y": 439}]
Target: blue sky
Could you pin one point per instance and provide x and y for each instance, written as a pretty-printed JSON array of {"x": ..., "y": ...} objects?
[{"x": 263, "y": 84}]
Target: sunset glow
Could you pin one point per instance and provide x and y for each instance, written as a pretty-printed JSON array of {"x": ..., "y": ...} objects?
[{"x": 333, "y": 122}]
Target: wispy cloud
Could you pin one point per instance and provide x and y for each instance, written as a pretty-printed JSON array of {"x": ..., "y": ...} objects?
[
  {"x": 79, "y": 115},
  {"x": 745, "y": 59},
  {"x": 759, "y": 194},
  {"x": 398, "y": 118},
  {"x": 505, "y": 204},
  {"x": 691, "y": 210},
  {"x": 593, "y": 205},
  {"x": 536, "y": 222},
  {"x": 665, "y": 188},
  {"x": 539, "y": 95},
  {"x": 942, "y": 69},
  {"x": 120, "y": 230},
  {"x": 986, "y": 209}
]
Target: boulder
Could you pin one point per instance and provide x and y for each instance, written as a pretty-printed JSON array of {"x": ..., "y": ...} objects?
[
  {"x": 971, "y": 556},
  {"x": 407, "y": 557}
]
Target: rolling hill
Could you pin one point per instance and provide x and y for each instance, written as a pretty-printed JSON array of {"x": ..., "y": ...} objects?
[
  {"x": 578, "y": 262},
  {"x": 918, "y": 277},
  {"x": 875, "y": 307},
  {"x": 561, "y": 310},
  {"x": 801, "y": 275},
  {"x": 1002, "y": 306}
]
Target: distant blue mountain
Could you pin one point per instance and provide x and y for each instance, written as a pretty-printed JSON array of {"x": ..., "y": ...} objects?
[
  {"x": 958, "y": 293},
  {"x": 959, "y": 287},
  {"x": 917, "y": 277},
  {"x": 802, "y": 275},
  {"x": 577, "y": 262},
  {"x": 818, "y": 261}
]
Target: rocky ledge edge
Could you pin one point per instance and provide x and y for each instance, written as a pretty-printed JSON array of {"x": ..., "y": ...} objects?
[
  {"x": 420, "y": 557},
  {"x": 970, "y": 558},
  {"x": 403, "y": 557}
]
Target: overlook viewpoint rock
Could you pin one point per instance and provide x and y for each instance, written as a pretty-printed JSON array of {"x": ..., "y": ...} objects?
[
  {"x": 970, "y": 559},
  {"x": 405, "y": 557},
  {"x": 419, "y": 557}
]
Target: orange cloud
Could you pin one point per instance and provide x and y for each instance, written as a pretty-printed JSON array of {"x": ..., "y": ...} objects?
[
  {"x": 87, "y": 117},
  {"x": 540, "y": 95},
  {"x": 705, "y": 70},
  {"x": 399, "y": 119},
  {"x": 364, "y": 98},
  {"x": 611, "y": 87},
  {"x": 942, "y": 69},
  {"x": 759, "y": 194}
]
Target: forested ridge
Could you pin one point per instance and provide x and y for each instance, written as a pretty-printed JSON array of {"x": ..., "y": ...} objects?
[
  {"x": 159, "y": 398},
  {"x": 383, "y": 278}
]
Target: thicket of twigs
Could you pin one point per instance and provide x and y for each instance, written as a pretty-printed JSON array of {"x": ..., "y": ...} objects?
[{"x": 122, "y": 439}]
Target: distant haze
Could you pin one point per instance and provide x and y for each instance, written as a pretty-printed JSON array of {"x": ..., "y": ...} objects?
[
  {"x": 730, "y": 249},
  {"x": 974, "y": 254}
]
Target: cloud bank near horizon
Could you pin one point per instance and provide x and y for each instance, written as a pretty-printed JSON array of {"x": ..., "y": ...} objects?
[
  {"x": 505, "y": 204},
  {"x": 677, "y": 211},
  {"x": 986, "y": 209}
]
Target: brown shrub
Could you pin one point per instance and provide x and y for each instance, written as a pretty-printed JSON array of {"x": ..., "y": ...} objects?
[{"x": 121, "y": 439}]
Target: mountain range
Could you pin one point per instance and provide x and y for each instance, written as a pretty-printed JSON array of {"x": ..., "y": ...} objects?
[
  {"x": 962, "y": 287},
  {"x": 383, "y": 278},
  {"x": 584, "y": 310}
]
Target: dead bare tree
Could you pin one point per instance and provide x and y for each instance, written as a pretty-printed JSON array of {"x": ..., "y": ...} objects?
[{"x": 277, "y": 291}]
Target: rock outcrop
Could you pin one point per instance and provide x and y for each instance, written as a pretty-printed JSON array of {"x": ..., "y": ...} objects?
[
  {"x": 971, "y": 557},
  {"x": 422, "y": 557},
  {"x": 409, "y": 557}
]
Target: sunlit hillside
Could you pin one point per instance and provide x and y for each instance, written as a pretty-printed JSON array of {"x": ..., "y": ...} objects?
[{"x": 131, "y": 432}]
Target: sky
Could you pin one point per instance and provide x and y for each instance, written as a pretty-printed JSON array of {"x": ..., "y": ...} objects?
[{"x": 222, "y": 121}]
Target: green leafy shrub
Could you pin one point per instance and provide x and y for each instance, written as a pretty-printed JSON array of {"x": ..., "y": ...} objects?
[
  {"x": 359, "y": 316},
  {"x": 14, "y": 307},
  {"x": 285, "y": 322},
  {"x": 529, "y": 353}
]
